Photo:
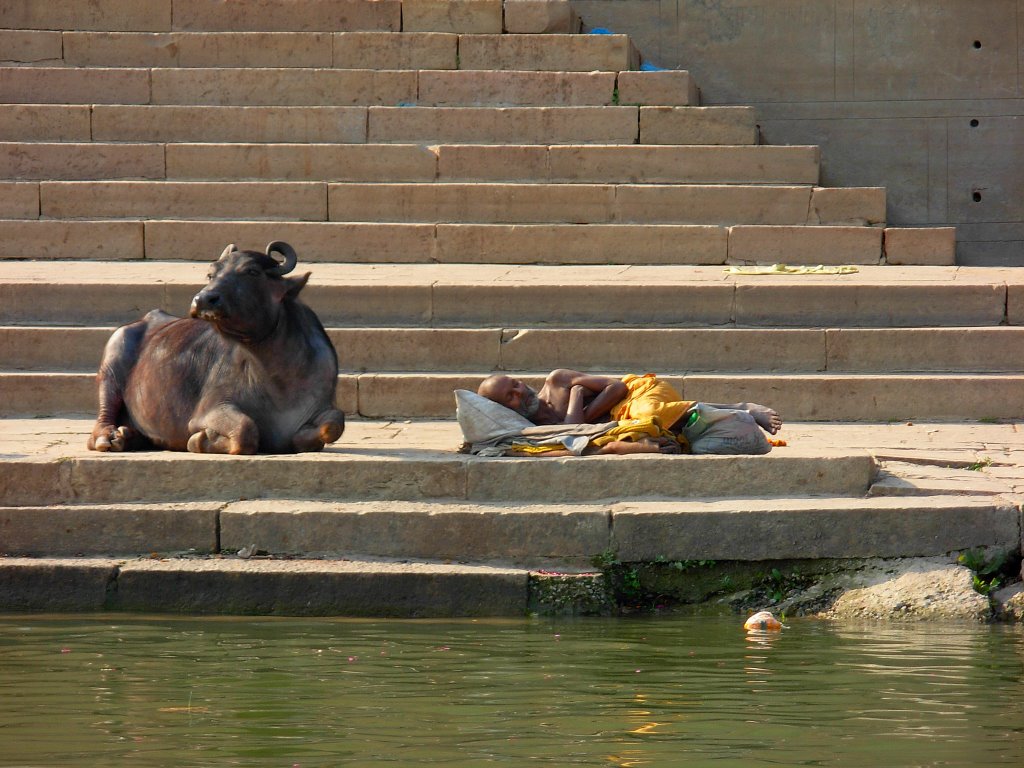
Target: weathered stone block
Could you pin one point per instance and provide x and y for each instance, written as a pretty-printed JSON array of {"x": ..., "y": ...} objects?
[
  {"x": 675, "y": 349},
  {"x": 328, "y": 475},
  {"x": 282, "y": 15},
  {"x": 29, "y": 47},
  {"x": 385, "y": 50},
  {"x": 665, "y": 88},
  {"x": 428, "y": 530},
  {"x": 301, "y": 162},
  {"x": 24, "y": 483},
  {"x": 508, "y": 125},
  {"x": 353, "y": 304},
  {"x": 314, "y": 241},
  {"x": 933, "y": 246},
  {"x": 64, "y": 85},
  {"x": 19, "y": 199},
  {"x": 319, "y": 588},
  {"x": 557, "y": 53},
  {"x": 129, "y": 199},
  {"x": 81, "y": 161},
  {"x": 444, "y": 88},
  {"x": 804, "y": 245},
  {"x": 122, "y": 49},
  {"x": 109, "y": 530},
  {"x": 877, "y": 398},
  {"x": 47, "y": 394},
  {"x": 466, "y": 16},
  {"x": 151, "y": 16},
  {"x": 540, "y": 17},
  {"x": 511, "y": 304},
  {"x": 763, "y": 301},
  {"x": 482, "y": 162},
  {"x": 411, "y": 395},
  {"x": 252, "y": 124},
  {"x": 925, "y": 349},
  {"x": 718, "y": 204},
  {"x": 861, "y": 206},
  {"x": 697, "y": 125},
  {"x": 757, "y": 529},
  {"x": 44, "y": 122},
  {"x": 284, "y": 87},
  {"x": 581, "y": 244},
  {"x": 50, "y": 584},
  {"x": 679, "y": 476},
  {"x": 185, "y": 49},
  {"x": 684, "y": 164},
  {"x": 417, "y": 349},
  {"x": 45, "y": 348},
  {"x": 499, "y": 203},
  {"x": 71, "y": 240}
]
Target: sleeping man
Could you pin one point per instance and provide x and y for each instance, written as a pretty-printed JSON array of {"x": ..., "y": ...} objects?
[
  {"x": 580, "y": 413},
  {"x": 571, "y": 397}
]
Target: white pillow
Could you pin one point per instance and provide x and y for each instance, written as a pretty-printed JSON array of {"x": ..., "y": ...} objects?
[{"x": 482, "y": 419}]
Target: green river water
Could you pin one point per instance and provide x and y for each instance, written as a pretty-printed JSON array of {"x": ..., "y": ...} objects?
[{"x": 650, "y": 691}]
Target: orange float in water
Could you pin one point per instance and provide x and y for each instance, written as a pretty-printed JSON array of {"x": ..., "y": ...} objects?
[{"x": 764, "y": 621}]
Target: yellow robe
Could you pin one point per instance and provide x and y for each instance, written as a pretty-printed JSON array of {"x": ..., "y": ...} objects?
[{"x": 648, "y": 397}]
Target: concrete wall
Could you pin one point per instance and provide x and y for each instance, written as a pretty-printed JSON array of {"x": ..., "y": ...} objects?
[{"x": 925, "y": 97}]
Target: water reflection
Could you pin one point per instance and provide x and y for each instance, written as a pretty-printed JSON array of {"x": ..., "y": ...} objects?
[{"x": 691, "y": 690}]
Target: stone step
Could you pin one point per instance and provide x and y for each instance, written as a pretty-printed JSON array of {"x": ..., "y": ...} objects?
[
  {"x": 548, "y": 535},
  {"x": 261, "y": 586},
  {"x": 45, "y": 462},
  {"x": 454, "y": 202},
  {"x": 324, "y": 50},
  {"x": 553, "y": 244},
  {"x": 514, "y": 296},
  {"x": 803, "y": 396},
  {"x": 361, "y": 125},
  {"x": 207, "y": 15},
  {"x": 294, "y": 86},
  {"x": 616, "y": 163},
  {"x": 998, "y": 349}
]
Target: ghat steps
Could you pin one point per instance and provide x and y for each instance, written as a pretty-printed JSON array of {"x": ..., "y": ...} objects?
[{"x": 477, "y": 188}]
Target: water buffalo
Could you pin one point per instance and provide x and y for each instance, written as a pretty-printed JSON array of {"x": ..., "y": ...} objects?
[{"x": 250, "y": 371}]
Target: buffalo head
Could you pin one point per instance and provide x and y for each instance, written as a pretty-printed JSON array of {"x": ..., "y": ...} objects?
[{"x": 246, "y": 289}]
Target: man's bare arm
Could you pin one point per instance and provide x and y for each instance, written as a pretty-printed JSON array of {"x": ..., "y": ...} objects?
[{"x": 590, "y": 397}]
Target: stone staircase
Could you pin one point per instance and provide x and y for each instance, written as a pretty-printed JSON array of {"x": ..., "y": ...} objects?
[{"x": 476, "y": 187}]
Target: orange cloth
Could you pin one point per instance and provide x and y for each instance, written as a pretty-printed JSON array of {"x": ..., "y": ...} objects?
[{"x": 650, "y": 396}]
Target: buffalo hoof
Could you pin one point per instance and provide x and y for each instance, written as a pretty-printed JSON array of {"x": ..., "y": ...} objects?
[
  {"x": 331, "y": 431},
  {"x": 211, "y": 441},
  {"x": 115, "y": 440}
]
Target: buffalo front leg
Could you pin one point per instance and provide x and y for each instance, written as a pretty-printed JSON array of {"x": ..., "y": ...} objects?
[
  {"x": 119, "y": 357},
  {"x": 225, "y": 429},
  {"x": 324, "y": 429}
]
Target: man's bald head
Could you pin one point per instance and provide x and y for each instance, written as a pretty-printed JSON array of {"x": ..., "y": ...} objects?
[
  {"x": 512, "y": 393},
  {"x": 496, "y": 387}
]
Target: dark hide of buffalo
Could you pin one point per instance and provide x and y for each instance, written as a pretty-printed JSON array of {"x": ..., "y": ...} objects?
[{"x": 251, "y": 371}]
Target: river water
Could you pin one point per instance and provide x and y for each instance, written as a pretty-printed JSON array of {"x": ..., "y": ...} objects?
[{"x": 651, "y": 691}]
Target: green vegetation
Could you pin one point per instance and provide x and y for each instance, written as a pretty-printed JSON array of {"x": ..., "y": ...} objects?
[
  {"x": 988, "y": 572},
  {"x": 980, "y": 464}
]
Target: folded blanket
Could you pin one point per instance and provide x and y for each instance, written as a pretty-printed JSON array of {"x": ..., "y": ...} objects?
[{"x": 491, "y": 429}]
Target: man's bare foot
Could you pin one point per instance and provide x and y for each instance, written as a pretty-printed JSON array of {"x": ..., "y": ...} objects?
[{"x": 767, "y": 419}]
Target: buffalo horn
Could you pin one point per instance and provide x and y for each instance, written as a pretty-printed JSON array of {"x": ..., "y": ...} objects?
[
  {"x": 290, "y": 258},
  {"x": 230, "y": 249}
]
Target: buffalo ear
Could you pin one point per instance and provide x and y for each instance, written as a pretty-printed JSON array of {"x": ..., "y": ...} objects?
[{"x": 295, "y": 285}]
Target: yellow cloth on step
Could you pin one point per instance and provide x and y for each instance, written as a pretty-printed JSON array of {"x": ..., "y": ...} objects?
[
  {"x": 650, "y": 396},
  {"x": 785, "y": 269}
]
